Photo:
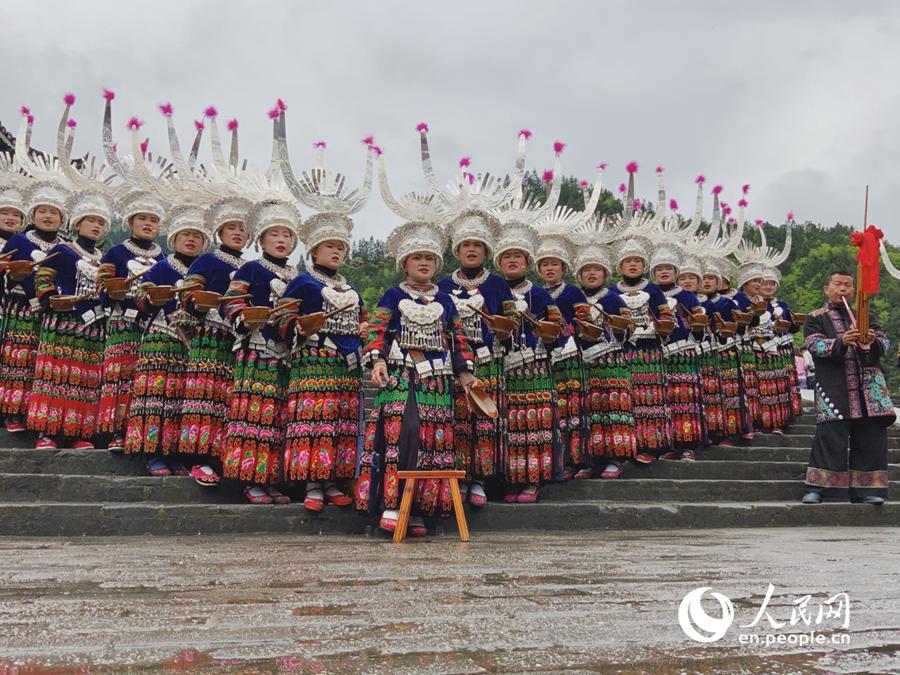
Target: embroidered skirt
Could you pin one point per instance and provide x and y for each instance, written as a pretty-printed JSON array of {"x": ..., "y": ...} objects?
[
  {"x": 254, "y": 434},
  {"x": 772, "y": 382},
  {"x": 154, "y": 414},
  {"x": 685, "y": 406},
  {"x": 17, "y": 360},
  {"x": 66, "y": 389},
  {"x": 409, "y": 428},
  {"x": 123, "y": 342},
  {"x": 568, "y": 376},
  {"x": 208, "y": 380},
  {"x": 749, "y": 386},
  {"x": 736, "y": 421},
  {"x": 480, "y": 443},
  {"x": 322, "y": 417},
  {"x": 530, "y": 424},
  {"x": 713, "y": 393},
  {"x": 653, "y": 426},
  {"x": 608, "y": 408}
]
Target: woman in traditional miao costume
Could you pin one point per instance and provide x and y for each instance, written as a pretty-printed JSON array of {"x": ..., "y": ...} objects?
[
  {"x": 682, "y": 365},
  {"x": 46, "y": 214},
  {"x": 728, "y": 360},
  {"x": 65, "y": 394},
  {"x": 416, "y": 344},
  {"x": 748, "y": 280},
  {"x": 325, "y": 404},
  {"x": 480, "y": 442},
  {"x": 646, "y": 303},
  {"x": 154, "y": 420},
  {"x": 553, "y": 260},
  {"x": 690, "y": 278},
  {"x": 529, "y": 380},
  {"x": 254, "y": 440},
  {"x": 12, "y": 220},
  {"x": 790, "y": 387},
  {"x": 609, "y": 422},
  {"x": 209, "y": 367},
  {"x": 143, "y": 214},
  {"x": 324, "y": 394}
]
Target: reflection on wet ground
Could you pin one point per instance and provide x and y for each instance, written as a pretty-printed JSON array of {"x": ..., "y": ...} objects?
[{"x": 503, "y": 603}]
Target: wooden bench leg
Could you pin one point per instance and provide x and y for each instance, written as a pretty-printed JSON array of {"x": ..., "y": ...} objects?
[
  {"x": 409, "y": 489},
  {"x": 461, "y": 524}
]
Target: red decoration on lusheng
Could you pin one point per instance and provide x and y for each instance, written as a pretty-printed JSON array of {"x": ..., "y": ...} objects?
[{"x": 868, "y": 243}]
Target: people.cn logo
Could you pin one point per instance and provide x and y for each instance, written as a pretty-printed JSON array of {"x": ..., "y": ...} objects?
[{"x": 697, "y": 624}]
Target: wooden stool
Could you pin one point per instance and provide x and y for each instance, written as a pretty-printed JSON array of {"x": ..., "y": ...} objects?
[{"x": 409, "y": 489}]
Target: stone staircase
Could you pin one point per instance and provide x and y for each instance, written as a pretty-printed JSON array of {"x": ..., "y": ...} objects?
[{"x": 72, "y": 493}]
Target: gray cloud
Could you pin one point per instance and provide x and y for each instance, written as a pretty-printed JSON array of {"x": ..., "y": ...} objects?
[{"x": 798, "y": 99}]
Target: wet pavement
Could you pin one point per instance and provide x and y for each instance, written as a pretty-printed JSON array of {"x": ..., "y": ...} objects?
[{"x": 602, "y": 602}]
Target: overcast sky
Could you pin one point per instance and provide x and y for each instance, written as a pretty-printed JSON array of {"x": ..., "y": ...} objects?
[{"x": 799, "y": 99}]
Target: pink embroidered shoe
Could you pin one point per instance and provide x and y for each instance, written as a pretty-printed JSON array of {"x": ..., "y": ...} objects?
[
  {"x": 477, "y": 496},
  {"x": 257, "y": 495},
  {"x": 528, "y": 496},
  {"x": 45, "y": 443},
  {"x": 82, "y": 445},
  {"x": 204, "y": 475},
  {"x": 611, "y": 472},
  {"x": 14, "y": 425},
  {"x": 277, "y": 497}
]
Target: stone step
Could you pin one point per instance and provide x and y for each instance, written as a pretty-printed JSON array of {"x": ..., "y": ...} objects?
[
  {"x": 115, "y": 519},
  {"x": 18, "y": 487},
  {"x": 675, "y": 490},
  {"x": 753, "y": 453},
  {"x": 810, "y": 429},
  {"x": 798, "y": 440},
  {"x": 73, "y": 462},
  {"x": 705, "y": 468}
]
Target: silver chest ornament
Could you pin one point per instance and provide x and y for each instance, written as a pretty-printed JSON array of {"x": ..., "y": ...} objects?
[
  {"x": 276, "y": 290},
  {"x": 85, "y": 277},
  {"x": 639, "y": 304},
  {"x": 347, "y": 321},
  {"x": 468, "y": 309},
  {"x": 138, "y": 266},
  {"x": 420, "y": 325}
]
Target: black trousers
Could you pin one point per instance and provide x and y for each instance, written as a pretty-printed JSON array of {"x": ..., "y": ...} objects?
[{"x": 863, "y": 471}]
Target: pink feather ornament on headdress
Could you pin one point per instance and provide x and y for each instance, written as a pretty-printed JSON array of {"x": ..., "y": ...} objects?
[
  {"x": 281, "y": 105},
  {"x": 71, "y": 123},
  {"x": 211, "y": 111},
  {"x": 659, "y": 169},
  {"x": 274, "y": 113},
  {"x": 134, "y": 123},
  {"x": 320, "y": 145},
  {"x": 547, "y": 177},
  {"x": 25, "y": 110},
  {"x": 469, "y": 177},
  {"x": 377, "y": 150},
  {"x": 558, "y": 147},
  {"x": 742, "y": 203},
  {"x": 166, "y": 109},
  {"x": 673, "y": 204},
  {"x": 198, "y": 125},
  {"x": 69, "y": 99},
  {"x": 30, "y": 119},
  {"x": 622, "y": 187},
  {"x": 636, "y": 204},
  {"x": 583, "y": 184},
  {"x": 115, "y": 147},
  {"x": 368, "y": 140},
  {"x": 232, "y": 124},
  {"x": 108, "y": 94},
  {"x": 464, "y": 162},
  {"x": 745, "y": 188},
  {"x": 526, "y": 133},
  {"x": 700, "y": 179},
  {"x": 726, "y": 209},
  {"x": 602, "y": 166},
  {"x": 717, "y": 190},
  {"x": 790, "y": 216},
  {"x": 758, "y": 222},
  {"x": 631, "y": 167},
  {"x": 422, "y": 126},
  {"x": 732, "y": 221},
  {"x": 144, "y": 146}
]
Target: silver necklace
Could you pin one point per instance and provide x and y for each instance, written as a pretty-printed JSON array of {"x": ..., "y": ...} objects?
[
  {"x": 556, "y": 292},
  {"x": 177, "y": 265},
  {"x": 632, "y": 289},
  {"x": 139, "y": 252},
  {"x": 285, "y": 273},
  {"x": 416, "y": 294},
  {"x": 231, "y": 260},
  {"x": 469, "y": 284},
  {"x": 40, "y": 243},
  {"x": 337, "y": 281},
  {"x": 93, "y": 257}
]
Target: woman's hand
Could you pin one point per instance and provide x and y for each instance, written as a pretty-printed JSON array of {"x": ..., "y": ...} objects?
[
  {"x": 379, "y": 374},
  {"x": 364, "y": 329}
]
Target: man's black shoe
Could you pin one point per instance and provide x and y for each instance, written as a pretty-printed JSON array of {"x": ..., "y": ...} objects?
[
  {"x": 812, "y": 497},
  {"x": 871, "y": 499}
]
